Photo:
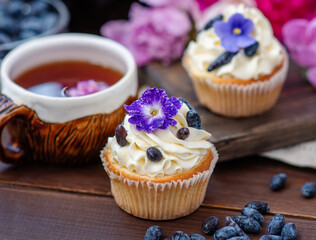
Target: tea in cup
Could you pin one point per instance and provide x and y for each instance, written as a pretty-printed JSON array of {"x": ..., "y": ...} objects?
[{"x": 56, "y": 123}]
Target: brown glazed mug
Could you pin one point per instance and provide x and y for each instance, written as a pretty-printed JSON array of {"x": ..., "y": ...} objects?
[{"x": 62, "y": 130}]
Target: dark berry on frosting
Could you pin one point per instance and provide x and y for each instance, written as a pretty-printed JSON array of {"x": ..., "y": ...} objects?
[
  {"x": 210, "y": 23},
  {"x": 183, "y": 133},
  {"x": 251, "y": 50},
  {"x": 154, "y": 154},
  {"x": 186, "y": 103},
  {"x": 223, "y": 59},
  {"x": 261, "y": 207},
  {"x": 121, "y": 134},
  {"x": 194, "y": 119}
]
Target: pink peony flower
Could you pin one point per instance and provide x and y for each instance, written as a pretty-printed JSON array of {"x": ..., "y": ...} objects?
[
  {"x": 311, "y": 76},
  {"x": 280, "y": 11},
  {"x": 299, "y": 36},
  {"x": 158, "y": 33}
]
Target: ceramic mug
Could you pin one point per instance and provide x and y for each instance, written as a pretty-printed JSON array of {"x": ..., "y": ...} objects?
[{"x": 63, "y": 130}]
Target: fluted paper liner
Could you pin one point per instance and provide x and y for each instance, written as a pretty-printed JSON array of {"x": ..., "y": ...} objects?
[
  {"x": 235, "y": 100},
  {"x": 160, "y": 201}
]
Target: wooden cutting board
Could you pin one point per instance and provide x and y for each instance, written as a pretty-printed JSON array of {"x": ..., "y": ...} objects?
[{"x": 291, "y": 121}]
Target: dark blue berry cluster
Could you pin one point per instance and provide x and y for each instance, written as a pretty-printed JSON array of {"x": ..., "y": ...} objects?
[
  {"x": 22, "y": 19},
  {"x": 237, "y": 227}
]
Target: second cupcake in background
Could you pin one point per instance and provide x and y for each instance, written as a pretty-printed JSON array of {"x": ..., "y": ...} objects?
[
  {"x": 236, "y": 64},
  {"x": 159, "y": 161}
]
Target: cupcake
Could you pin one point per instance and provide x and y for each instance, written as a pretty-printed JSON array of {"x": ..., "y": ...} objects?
[
  {"x": 236, "y": 64},
  {"x": 160, "y": 160}
]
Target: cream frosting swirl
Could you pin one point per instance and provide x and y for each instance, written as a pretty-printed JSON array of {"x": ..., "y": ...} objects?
[
  {"x": 178, "y": 155},
  {"x": 268, "y": 56}
]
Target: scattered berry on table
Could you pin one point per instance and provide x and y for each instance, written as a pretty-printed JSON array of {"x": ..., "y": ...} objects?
[
  {"x": 179, "y": 235},
  {"x": 121, "y": 134},
  {"x": 230, "y": 222},
  {"x": 225, "y": 233},
  {"x": 289, "y": 232},
  {"x": 308, "y": 190},
  {"x": 251, "y": 50},
  {"x": 153, "y": 233},
  {"x": 261, "y": 207},
  {"x": 239, "y": 238},
  {"x": 270, "y": 237},
  {"x": 196, "y": 236},
  {"x": 209, "y": 226},
  {"x": 276, "y": 224},
  {"x": 154, "y": 154},
  {"x": 249, "y": 225},
  {"x": 253, "y": 213},
  {"x": 223, "y": 59},
  {"x": 278, "y": 181},
  {"x": 183, "y": 133},
  {"x": 194, "y": 119}
]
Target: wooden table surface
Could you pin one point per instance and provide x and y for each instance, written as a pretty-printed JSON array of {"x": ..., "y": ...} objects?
[{"x": 60, "y": 202}]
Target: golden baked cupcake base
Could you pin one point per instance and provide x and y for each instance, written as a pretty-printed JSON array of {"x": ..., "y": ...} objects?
[
  {"x": 237, "y": 99},
  {"x": 161, "y": 198}
]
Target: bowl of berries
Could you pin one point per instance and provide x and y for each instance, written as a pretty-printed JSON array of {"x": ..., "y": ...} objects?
[{"x": 21, "y": 20}]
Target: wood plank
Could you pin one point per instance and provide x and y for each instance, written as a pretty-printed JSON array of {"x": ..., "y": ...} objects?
[
  {"x": 33, "y": 214},
  {"x": 233, "y": 183},
  {"x": 291, "y": 121}
]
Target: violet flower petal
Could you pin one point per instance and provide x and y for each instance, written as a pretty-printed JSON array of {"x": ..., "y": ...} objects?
[{"x": 222, "y": 29}]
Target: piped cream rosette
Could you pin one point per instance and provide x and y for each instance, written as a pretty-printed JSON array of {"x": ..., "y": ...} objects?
[
  {"x": 172, "y": 187},
  {"x": 246, "y": 85}
]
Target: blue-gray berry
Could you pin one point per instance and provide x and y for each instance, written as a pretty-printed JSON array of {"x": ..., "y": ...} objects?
[
  {"x": 270, "y": 237},
  {"x": 186, "y": 103},
  {"x": 276, "y": 224},
  {"x": 230, "y": 222},
  {"x": 210, "y": 23},
  {"x": 251, "y": 50},
  {"x": 221, "y": 60},
  {"x": 209, "y": 226},
  {"x": 249, "y": 225},
  {"x": 308, "y": 190},
  {"x": 289, "y": 232},
  {"x": 179, "y": 235},
  {"x": 154, "y": 154},
  {"x": 278, "y": 181},
  {"x": 239, "y": 238},
  {"x": 194, "y": 119},
  {"x": 251, "y": 212},
  {"x": 196, "y": 236},
  {"x": 153, "y": 233},
  {"x": 225, "y": 233},
  {"x": 261, "y": 207}
]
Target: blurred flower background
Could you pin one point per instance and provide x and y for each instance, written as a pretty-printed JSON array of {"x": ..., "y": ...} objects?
[{"x": 159, "y": 30}]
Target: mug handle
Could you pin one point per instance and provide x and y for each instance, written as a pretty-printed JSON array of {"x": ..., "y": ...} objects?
[{"x": 8, "y": 111}]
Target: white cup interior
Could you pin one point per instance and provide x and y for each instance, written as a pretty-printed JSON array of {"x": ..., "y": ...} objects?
[{"x": 65, "y": 47}]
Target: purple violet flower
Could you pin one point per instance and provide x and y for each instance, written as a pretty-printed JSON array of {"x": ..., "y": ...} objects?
[
  {"x": 153, "y": 110},
  {"x": 235, "y": 33},
  {"x": 85, "y": 87}
]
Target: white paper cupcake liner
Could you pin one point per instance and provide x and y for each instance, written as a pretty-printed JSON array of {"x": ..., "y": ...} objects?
[
  {"x": 160, "y": 201},
  {"x": 235, "y": 100}
]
